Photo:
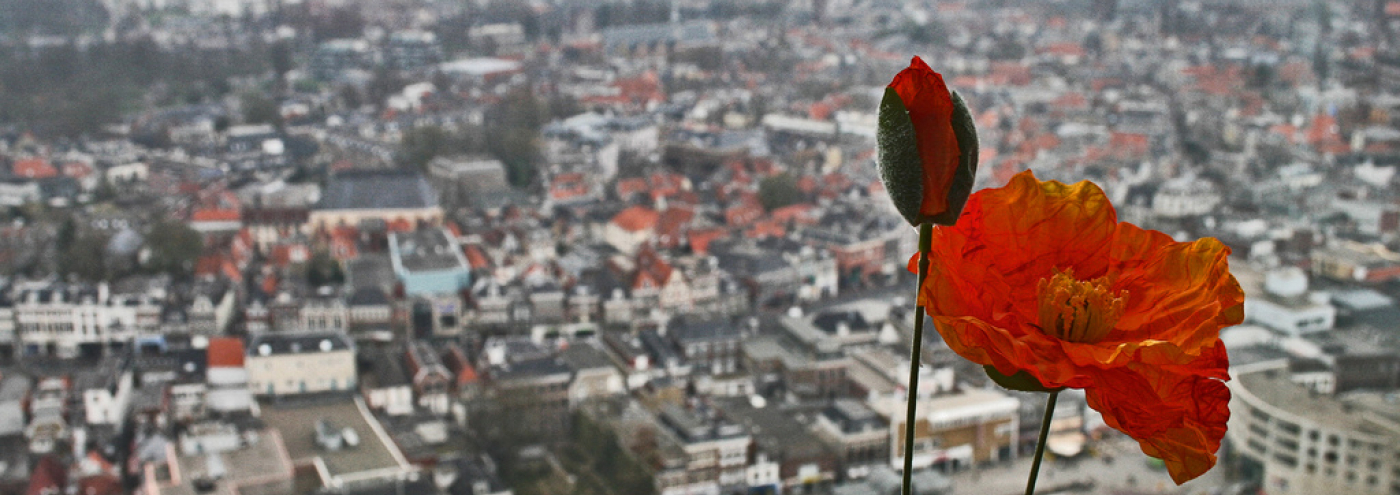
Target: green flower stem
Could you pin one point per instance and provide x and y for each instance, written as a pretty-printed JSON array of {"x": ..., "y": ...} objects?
[
  {"x": 925, "y": 245},
  {"x": 1040, "y": 444}
]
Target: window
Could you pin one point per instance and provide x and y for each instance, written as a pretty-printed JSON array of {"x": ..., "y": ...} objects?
[{"x": 1259, "y": 415}]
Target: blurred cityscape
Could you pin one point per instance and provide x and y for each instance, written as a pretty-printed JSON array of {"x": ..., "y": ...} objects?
[{"x": 472, "y": 247}]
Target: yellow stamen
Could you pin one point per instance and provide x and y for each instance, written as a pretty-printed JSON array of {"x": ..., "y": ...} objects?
[{"x": 1078, "y": 310}]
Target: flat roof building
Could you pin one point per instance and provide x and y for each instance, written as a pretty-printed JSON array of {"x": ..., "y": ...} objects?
[{"x": 429, "y": 262}]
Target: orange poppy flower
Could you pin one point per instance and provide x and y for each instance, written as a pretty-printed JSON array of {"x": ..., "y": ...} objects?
[
  {"x": 1042, "y": 278},
  {"x": 928, "y": 146}
]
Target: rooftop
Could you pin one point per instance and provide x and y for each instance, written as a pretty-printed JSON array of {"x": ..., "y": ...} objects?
[
  {"x": 781, "y": 430},
  {"x": 297, "y": 423},
  {"x": 378, "y": 190},
  {"x": 705, "y": 331},
  {"x": 585, "y": 355},
  {"x": 287, "y": 343},
  {"x": 261, "y": 462},
  {"x": 1273, "y": 387},
  {"x": 427, "y": 250}
]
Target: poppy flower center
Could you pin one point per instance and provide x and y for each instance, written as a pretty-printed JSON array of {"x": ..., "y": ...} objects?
[{"x": 1078, "y": 310}]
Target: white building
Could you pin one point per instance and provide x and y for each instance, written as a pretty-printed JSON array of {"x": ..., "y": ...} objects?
[
  {"x": 16, "y": 194},
  {"x": 1185, "y": 197},
  {"x": 1306, "y": 442},
  {"x": 227, "y": 376},
  {"x": 299, "y": 363},
  {"x": 63, "y": 320},
  {"x": 1281, "y": 301},
  {"x": 107, "y": 398}
]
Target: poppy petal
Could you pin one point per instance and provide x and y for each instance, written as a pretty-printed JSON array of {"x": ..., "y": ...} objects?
[
  {"x": 1010, "y": 238},
  {"x": 990, "y": 345},
  {"x": 1178, "y": 291},
  {"x": 1179, "y": 418}
]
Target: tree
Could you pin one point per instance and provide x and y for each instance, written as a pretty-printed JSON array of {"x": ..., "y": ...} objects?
[
  {"x": 517, "y": 150},
  {"x": 280, "y": 56},
  {"x": 324, "y": 270},
  {"x": 512, "y": 140},
  {"x": 173, "y": 249},
  {"x": 421, "y": 144},
  {"x": 259, "y": 109},
  {"x": 778, "y": 191},
  {"x": 85, "y": 258}
]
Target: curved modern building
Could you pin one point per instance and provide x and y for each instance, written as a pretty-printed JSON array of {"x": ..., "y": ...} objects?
[{"x": 1305, "y": 442}]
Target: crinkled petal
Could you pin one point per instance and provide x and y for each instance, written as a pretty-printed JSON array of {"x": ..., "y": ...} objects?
[
  {"x": 1176, "y": 416},
  {"x": 988, "y": 265},
  {"x": 1180, "y": 292},
  {"x": 986, "y": 344}
]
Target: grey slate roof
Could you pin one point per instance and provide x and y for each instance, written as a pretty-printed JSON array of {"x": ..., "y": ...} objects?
[{"x": 378, "y": 189}]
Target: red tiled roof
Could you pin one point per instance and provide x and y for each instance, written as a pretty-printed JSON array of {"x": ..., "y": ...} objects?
[
  {"x": 77, "y": 170},
  {"x": 225, "y": 352},
  {"x": 742, "y": 214},
  {"x": 400, "y": 225},
  {"x": 103, "y": 484},
  {"x": 1286, "y": 130},
  {"x": 671, "y": 223},
  {"x": 800, "y": 212},
  {"x": 700, "y": 239},
  {"x": 475, "y": 257},
  {"x": 766, "y": 228},
  {"x": 1064, "y": 48},
  {"x": 628, "y": 187},
  {"x": 637, "y": 219},
  {"x": 208, "y": 265},
  {"x": 269, "y": 284},
  {"x": 215, "y": 215},
  {"x": 34, "y": 168},
  {"x": 456, "y": 361},
  {"x": 1130, "y": 143},
  {"x": 48, "y": 477},
  {"x": 1323, "y": 128},
  {"x": 230, "y": 271}
]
